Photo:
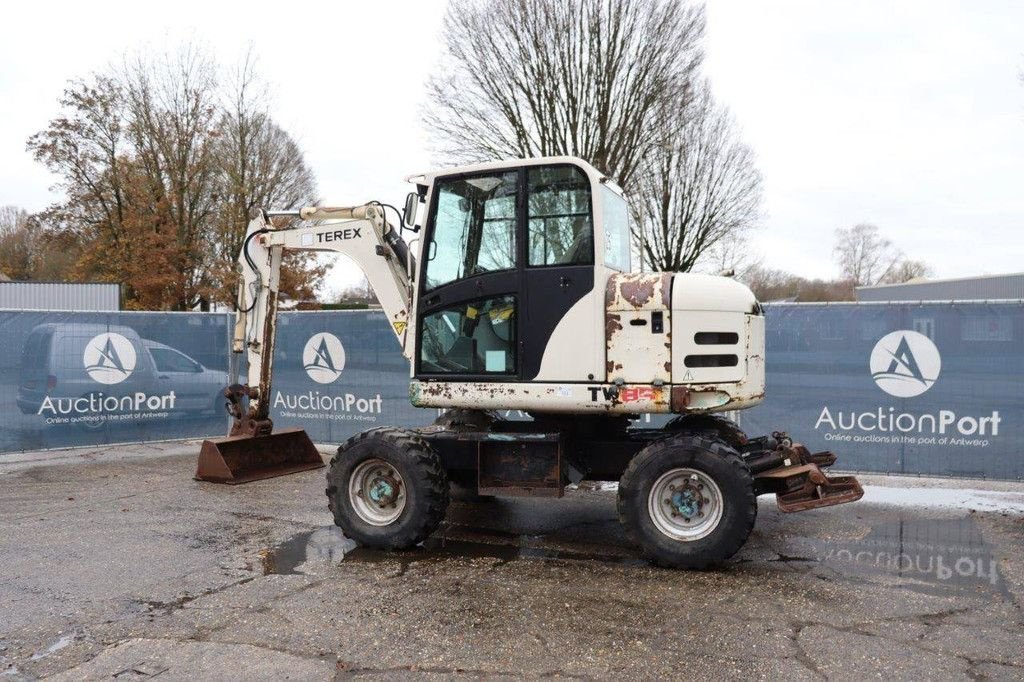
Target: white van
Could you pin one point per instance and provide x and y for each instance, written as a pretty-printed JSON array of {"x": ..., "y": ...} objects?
[{"x": 93, "y": 373}]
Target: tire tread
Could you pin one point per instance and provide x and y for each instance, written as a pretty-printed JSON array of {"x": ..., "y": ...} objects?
[
  {"x": 629, "y": 486},
  {"x": 426, "y": 463}
]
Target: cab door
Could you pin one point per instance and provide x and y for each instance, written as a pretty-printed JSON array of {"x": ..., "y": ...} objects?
[
  {"x": 468, "y": 312},
  {"x": 507, "y": 254}
]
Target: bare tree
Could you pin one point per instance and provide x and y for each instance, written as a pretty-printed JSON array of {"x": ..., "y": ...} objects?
[
  {"x": 17, "y": 245},
  {"x": 770, "y": 284},
  {"x": 696, "y": 192},
  {"x": 612, "y": 82},
  {"x": 588, "y": 78},
  {"x": 735, "y": 255},
  {"x": 907, "y": 270},
  {"x": 260, "y": 166},
  {"x": 864, "y": 255}
]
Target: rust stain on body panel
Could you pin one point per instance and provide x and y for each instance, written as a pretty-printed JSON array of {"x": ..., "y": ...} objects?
[{"x": 634, "y": 352}]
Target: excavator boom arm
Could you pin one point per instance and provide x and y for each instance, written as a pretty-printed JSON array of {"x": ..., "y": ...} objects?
[{"x": 361, "y": 232}]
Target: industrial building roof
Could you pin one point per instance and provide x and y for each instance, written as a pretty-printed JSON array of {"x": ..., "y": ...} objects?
[
  {"x": 59, "y": 296},
  {"x": 982, "y": 287}
]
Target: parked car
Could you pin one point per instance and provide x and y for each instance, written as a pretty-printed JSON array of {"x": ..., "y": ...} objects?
[{"x": 86, "y": 372}]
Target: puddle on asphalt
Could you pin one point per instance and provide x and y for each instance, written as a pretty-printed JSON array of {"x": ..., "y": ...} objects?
[
  {"x": 328, "y": 545},
  {"x": 61, "y": 643},
  {"x": 934, "y": 556}
]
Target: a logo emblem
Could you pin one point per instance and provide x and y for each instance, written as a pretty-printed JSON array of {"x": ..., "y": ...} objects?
[
  {"x": 905, "y": 363},
  {"x": 323, "y": 358},
  {"x": 109, "y": 358}
]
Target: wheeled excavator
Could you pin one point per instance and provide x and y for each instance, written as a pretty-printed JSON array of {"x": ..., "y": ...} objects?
[{"x": 516, "y": 293}]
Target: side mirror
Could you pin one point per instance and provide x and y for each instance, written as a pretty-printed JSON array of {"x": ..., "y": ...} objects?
[{"x": 412, "y": 204}]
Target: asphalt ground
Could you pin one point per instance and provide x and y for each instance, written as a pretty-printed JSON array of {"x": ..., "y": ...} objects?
[{"x": 116, "y": 564}]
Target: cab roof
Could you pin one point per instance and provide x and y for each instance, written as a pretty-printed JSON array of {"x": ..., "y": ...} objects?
[{"x": 594, "y": 174}]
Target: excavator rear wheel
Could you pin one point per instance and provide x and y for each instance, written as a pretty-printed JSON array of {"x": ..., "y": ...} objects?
[
  {"x": 387, "y": 489},
  {"x": 715, "y": 426},
  {"x": 688, "y": 501}
]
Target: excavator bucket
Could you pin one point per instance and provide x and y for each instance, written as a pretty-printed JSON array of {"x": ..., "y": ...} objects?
[{"x": 241, "y": 459}]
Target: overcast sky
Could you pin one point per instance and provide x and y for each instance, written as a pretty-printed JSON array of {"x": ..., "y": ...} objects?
[{"x": 909, "y": 115}]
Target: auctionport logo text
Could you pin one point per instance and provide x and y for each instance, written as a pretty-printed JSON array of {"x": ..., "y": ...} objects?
[{"x": 905, "y": 364}]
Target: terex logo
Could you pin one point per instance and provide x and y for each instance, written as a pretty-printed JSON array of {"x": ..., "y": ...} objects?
[
  {"x": 323, "y": 358},
  {"x": 905, "y": 364},
  {"x": 109, "y": 358},
  {"x": 339, "y": 235}
]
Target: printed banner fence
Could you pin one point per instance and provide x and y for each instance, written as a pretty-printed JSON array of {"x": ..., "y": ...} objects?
[
  {"x": 917, "y": 388},
  {"x": 932, "y": 389}
]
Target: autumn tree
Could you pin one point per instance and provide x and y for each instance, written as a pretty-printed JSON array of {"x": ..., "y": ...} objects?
[
  {"x": 144, "y": 156},
  {"x": 171, "y": 111},
  {"x": 29, "y": 251},
  {"x": 588, "y": 78},
  {"x": 697, "y": 192}
]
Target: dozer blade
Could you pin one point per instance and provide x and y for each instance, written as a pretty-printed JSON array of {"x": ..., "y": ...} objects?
[
  {"x": 804, "y": 486},
  {"x": 241, "y": 459}
]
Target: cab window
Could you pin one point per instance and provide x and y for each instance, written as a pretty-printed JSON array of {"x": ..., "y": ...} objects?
[
  {"x": 616, "y": 231},
  {"x": 474, "y": 228},
  {"x": 560, "y": 222},
  {"x": 478, "y": 337}
]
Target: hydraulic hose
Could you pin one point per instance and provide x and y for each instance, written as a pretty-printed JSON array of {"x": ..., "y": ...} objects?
[{"x": 252, "y": 265}]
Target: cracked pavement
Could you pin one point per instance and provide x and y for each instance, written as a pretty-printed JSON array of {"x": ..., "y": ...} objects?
[{"x": 118, "y": 565}]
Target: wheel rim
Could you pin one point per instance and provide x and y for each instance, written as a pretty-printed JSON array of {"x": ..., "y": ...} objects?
[
  {"x": 685, "y": 504},
  {"x": 377, "y": 492}
]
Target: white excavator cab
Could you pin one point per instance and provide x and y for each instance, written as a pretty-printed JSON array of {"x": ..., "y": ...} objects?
[
  {"x": 543, "y": 245},
  {"x": 516, "y": 293}
]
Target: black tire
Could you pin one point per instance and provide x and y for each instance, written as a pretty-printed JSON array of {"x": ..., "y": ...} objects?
[
  {"x": 713, "y": 459},
  {"x": 464, "y": 419},
  {"x": 714, "y": 426},
  {"x": 426, "y": 487}
]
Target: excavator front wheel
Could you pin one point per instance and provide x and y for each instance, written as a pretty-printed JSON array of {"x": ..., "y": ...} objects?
[{"x": 387, "y": 489}]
